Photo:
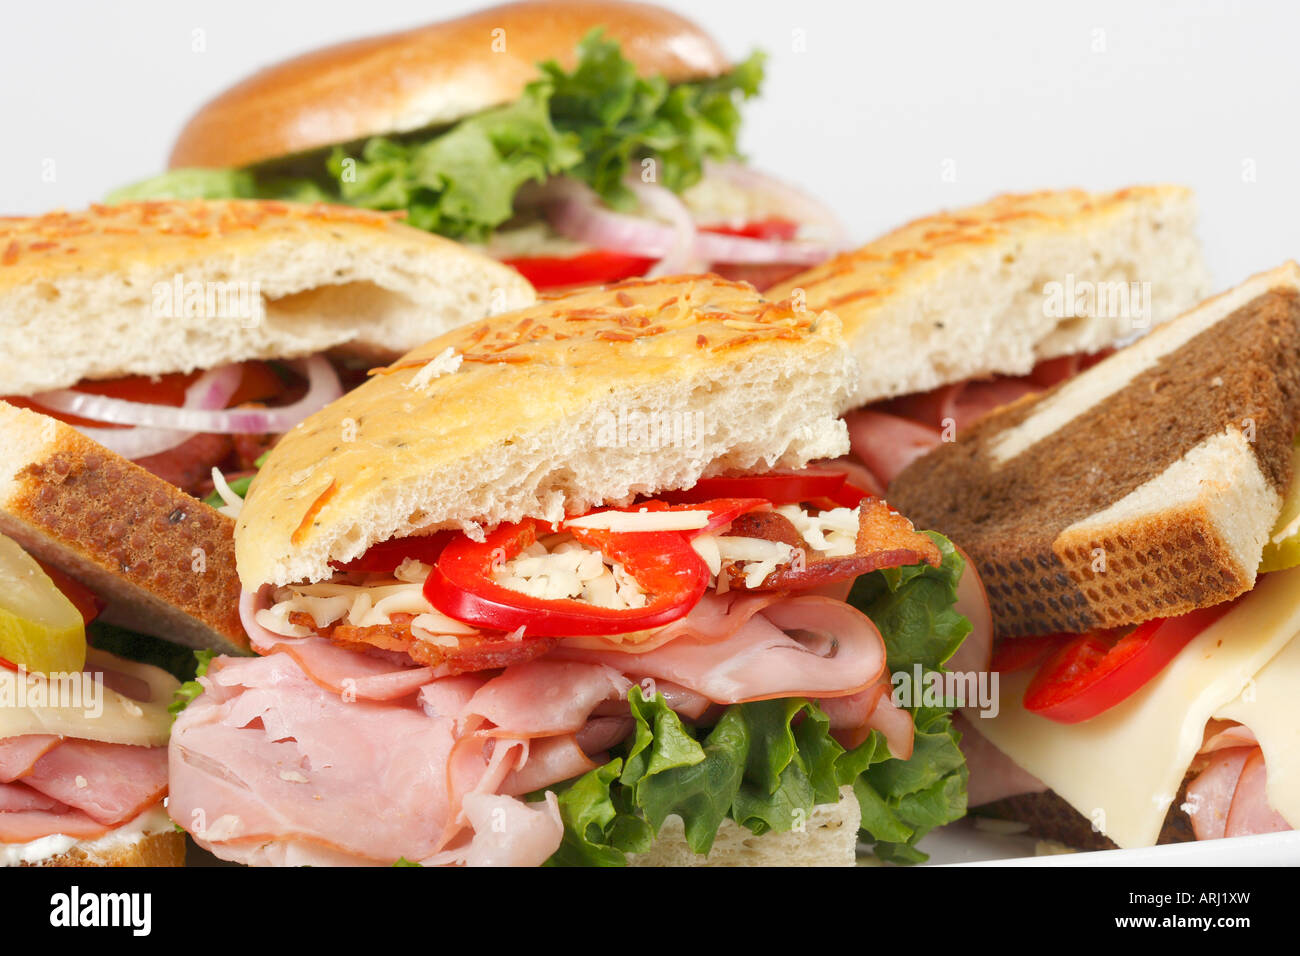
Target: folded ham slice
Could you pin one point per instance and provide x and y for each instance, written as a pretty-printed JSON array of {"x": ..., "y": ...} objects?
[{"x": 274, "y": 763}]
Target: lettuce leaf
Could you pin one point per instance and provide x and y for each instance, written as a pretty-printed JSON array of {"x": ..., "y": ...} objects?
[
  {"x": 186, "y": 693},
  {"x": 594, "y": 123},
  {"x": 766, "y": 764}
]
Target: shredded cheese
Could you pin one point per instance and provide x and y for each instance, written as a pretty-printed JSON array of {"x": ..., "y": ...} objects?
[
  {"x": 832, "y": 533},
  {"x": 444, "y": 363},
  {"x": 570, "y": 570}
]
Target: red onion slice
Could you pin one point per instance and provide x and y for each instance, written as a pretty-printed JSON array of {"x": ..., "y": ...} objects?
[
  {"x": 211, "y": 390},
  {"x": 206, "y": 412},
  {"x": 794, "y": 202},
  {"x": 659, "y": 201},
  {"x": 576, "y": 212}
]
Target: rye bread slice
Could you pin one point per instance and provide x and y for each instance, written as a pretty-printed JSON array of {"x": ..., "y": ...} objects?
[
  {"x": 163, "y": 561},
  {"x": 1145, "y": 487},
  {"x": 1050, "y": 817}
]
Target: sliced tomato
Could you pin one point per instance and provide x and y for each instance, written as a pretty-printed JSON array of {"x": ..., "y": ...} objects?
[
  {"x": 773, "y": 228},
  {"x": 258, "y": 382},
  {"x": 83, "y": 599},
  {"x": 663, "y": 563},
  {"x": 587, "y": 268},
  {"x": 778, "y": 487},
  {"x": 387, "y": 555},
  {"x": 1094, "y": 672}
]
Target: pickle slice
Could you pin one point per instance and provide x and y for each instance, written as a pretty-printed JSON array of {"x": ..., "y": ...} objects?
[
  {"x": 1283, "y": 548},
  {"x": 39, "y": 627}
]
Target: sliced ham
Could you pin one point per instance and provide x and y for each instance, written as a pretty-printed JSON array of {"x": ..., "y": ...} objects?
[
  {"x": 853, "y": 719},
  {"x": 347, "y": 672},
  {"x": 265, "y": 754},
  {"x": 886, "y": 444},
  {"x": 16, "y": 797},
  {"x": 545, "y": 698},
  {"x": 993, "y": 775},
  {"x": 506, "y": 832},
  {"x": 1250, "y": 812},
  {"x": 19, "y": 754},
  {"x": 802, "y": 646},
  {"x": 1210, "y": 796},
  {"x": 24, "y": 826},
  {"x": 111, "y": 783}
]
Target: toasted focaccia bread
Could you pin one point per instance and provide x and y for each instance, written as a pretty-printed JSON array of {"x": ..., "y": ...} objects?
[
  {"x": 1145, "y": 487},
  {"x": 147, "y": 288},
  {"x": 969, "y": 293}
]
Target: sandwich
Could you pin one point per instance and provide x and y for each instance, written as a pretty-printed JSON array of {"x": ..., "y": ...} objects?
[
  {"x": 187, "y": 335},
  {"x": 97, "y": 555},
  {"x": 1136, "y": 530},
  {"x": 558, "y": 587},
  {"x": 955, "y": 314},
  {"x": 582, "y": 141}
]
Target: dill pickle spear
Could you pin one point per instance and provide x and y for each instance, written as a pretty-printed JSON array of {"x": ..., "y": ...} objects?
[
  {"x": 1283, "y": 548},
  {"x": 40, "y": 628}
]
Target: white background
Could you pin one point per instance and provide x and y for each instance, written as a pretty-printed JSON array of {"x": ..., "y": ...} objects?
[{"x": 882, "y": 99}]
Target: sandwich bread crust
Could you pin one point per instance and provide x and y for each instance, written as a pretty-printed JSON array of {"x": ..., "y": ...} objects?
[
  {"x": 964, "y": 295},
  {"x": 429, "y": 76},
  {"x": 146, "y": 288},
  {"x": 150, "y": 849},
  {"x": 1145, "y": 487},
  {"x": 591, "y": 398},
  {"x": 164, "y": 561}
]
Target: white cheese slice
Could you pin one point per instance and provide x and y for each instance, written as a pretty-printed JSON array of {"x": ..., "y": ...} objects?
[
  {"x": 1270, "y": 706},
  {"x": 1123, "y": 768},
  {"x": 641, "y": 521},
  {"x": 90, "y": 713}
]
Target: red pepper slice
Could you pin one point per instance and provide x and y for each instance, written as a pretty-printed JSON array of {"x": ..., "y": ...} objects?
[
  {"x": 387, "y": 555},
  {"x": 1096, "y": 671},
  {"x": 662, "y": 562},
  {"x": 8, "y": 664}
]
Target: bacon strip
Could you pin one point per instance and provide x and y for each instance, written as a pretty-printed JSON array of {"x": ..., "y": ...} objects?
[{"x": 885, "y": 540}]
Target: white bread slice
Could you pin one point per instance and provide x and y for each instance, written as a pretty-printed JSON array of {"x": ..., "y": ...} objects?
[
  {"x": 829, "y": 838},
  {"x": 163, "y": 561},
  {"x": 150, "y": 840},
  {"x": 92, "y": 295},
  {"x": 535, "y": 422},
  {"x": 1145, "y": 487},
  {"x": 962, "y": 295}
]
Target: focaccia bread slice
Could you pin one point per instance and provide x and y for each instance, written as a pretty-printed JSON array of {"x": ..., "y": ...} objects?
[
  {"x": 1145, "y": 487},
  {"x": 590, "y": 398},
  {"x": 966, "y": 294},
  {"x": 146, "y": 288}
]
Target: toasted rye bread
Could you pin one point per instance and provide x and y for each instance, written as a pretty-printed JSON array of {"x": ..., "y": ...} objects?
[
  {"x": 829, "y": 838},
  {"x": 428, "y": 76},
  {"x": 541, "y": 419},
  {"x": 1145, "y": 487},
  {"x": 164, "y": 562},
  {"x": 94, "y": 294},
  {"x": 150, "y": 849},
  {"x": 963, "y": 295}
]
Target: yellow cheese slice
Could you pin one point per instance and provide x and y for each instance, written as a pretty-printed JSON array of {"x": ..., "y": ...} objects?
[
  {"x": 1122, "y": 769},
  {"x": 79, "y": 708},
  {"x": 1270, "y": 706}
]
